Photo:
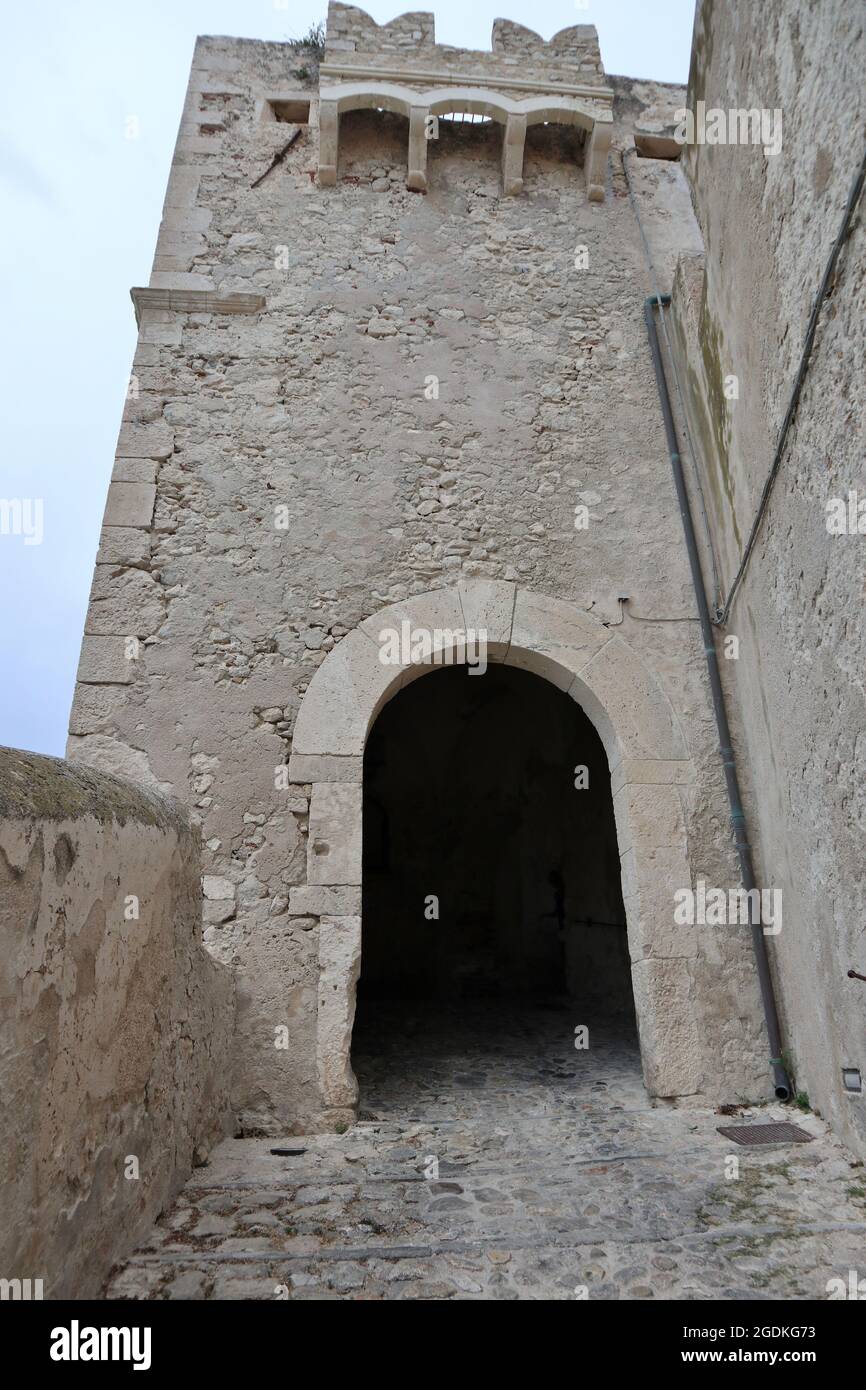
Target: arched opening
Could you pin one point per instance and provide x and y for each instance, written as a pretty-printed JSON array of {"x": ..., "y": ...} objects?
[
  {"x": 373, "y": 144},
  {"x": 491, "y": 879},
  {"x": 651, "y": 777},
  {"x": 553, "y": 150},
  {"x": 467, "y": 144}
]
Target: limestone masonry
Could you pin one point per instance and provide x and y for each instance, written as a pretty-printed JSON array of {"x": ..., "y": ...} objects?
[{"x": 392, "y": 376}]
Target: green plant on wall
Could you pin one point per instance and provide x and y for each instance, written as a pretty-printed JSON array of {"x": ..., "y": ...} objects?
[{"x": 313, "y": 42}]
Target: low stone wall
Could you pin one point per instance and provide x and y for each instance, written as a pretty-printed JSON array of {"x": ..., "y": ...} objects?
[{"x": 115, "y": 1024}]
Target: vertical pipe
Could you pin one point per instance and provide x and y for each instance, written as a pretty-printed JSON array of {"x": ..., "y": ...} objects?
[{"x": 738, "y": 818}]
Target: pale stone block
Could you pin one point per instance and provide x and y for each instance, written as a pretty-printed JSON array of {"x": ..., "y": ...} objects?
[
  {"x": 183, "y": 184},
  {"x": 112, "y": 755},
  {"x": 329, "y": 135},
  {"x": 650, "y": 771},
  {"x": 650, "y": 816},
  {"x": 134, "y": 470},
  {"x": 104, "y": 662},
  {"x": 94, "y": 708},
  {"x": 339, "y": 968},
  {"x": 123, "y": 545},
  {"x": 176, "y": 242},
  {"x": 146, "y": 355},
  {"x": 436, "y": 611},
  {"x": 650, "y": 878},
  {"x": 155, "y": 441},
  {"x": 185, "y": 220},
  {"x": 417, "y": 167},
  {"x": 217, "y": 889},
  {"x": 512, "y": 155},
  {"x": 129, "y": 603},
  {"x": 319, "y": 767},
  {"x": 180, "y": 280},
  {"x": 595, "y": 160},
  {"x": 553, "y": 638},
  {"x": 344, "y": 697},
  {"x": 143, "y": 409},
  {"x": 669, "y": 1037},
  {"x": 334, "y": 845},
  {"x": 166, "y": 263},
  {"x": 318, "y": 901},
  {"x": 198, "y": 144},
  {"x": 165, "y": 330},
  {"x": 628, "y": 707},
  {"x": 488, "y": 604},
  {"x": 130, "y": 504}
]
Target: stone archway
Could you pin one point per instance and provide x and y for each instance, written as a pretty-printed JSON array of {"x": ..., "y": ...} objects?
[
  {"x": 514, "y": 115},
  {"x": 649, "y": 767}
]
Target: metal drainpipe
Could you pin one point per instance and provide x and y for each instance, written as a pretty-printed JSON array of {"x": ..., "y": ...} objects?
[{"x": 738, "y": 818}]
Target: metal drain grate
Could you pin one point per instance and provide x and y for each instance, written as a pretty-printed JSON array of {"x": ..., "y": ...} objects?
[{"x": 782, "y": 1133}]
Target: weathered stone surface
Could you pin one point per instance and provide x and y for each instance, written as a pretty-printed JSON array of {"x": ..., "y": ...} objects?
[
  {"x": 123, "y": 545},
  {"x": 313, "y": 767},
  {"x": 339, "y": 967},
  {"x": 671, "y": 1050},
  {"x": 137, "y": 470},
  {"x": 94, "y": 708},
  {"x": 104, "y": 660},
  {"x": 154, "y": 441},
  {"x": 559, "y": 1178},
  {"x": 129, "y": 504},
  {"x": 648, "y": 815},
  {"x": 116, "y": 1023},
  {"x": 112, "y": 755},
  {"x": 353, "y": 688},
  {"x": 740, "y": 315},
  {"x": 127, "y": 602},
  {"x": 334, "y": 849},
  {"x": 488, "y": 606},
  {"x": 625, "y": 703},
  {"x": 552, "y": 637},
  {"x": 650, "y": 878},
  {"x": 322, "y": 901}
]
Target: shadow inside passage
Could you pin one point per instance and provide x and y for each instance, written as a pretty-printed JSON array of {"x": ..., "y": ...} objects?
[
  {"x": 413, "y": 1059},
  {"x": 493, "y": 920}
]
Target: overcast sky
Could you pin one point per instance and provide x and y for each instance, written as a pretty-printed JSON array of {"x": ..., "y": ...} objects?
[{"x": 81, "y": 210}]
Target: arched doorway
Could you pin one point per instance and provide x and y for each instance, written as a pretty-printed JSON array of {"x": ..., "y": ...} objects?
[
  {"x": 650, "y": 774},
  {"x": 491, "y": 874}
]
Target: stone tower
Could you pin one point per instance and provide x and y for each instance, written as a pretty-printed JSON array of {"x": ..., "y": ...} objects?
[{"x": 391, "y": 375}]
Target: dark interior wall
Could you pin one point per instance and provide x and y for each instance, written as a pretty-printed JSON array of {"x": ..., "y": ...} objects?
[
  {"x": 547, "y": 143},
  {"x": 370, "y": 139},
  {"x": 470, "y": 798},
  {"x": 464, "y": 149}
]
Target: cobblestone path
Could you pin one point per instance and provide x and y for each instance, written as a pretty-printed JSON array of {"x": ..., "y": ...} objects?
[{"x": 557, "y": 1179}]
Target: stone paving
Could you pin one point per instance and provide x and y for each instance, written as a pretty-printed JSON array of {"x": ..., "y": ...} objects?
[{"x": 493, "y": 1160}]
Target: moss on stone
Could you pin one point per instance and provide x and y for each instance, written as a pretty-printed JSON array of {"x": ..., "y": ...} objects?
[{"x": 36, "y": 787}]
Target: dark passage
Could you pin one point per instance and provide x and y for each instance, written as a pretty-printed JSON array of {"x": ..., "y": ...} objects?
[{"x": 488, "y": 876}]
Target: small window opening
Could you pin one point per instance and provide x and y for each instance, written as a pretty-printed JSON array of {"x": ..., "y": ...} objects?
[{"x": 291, "y": 112}]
